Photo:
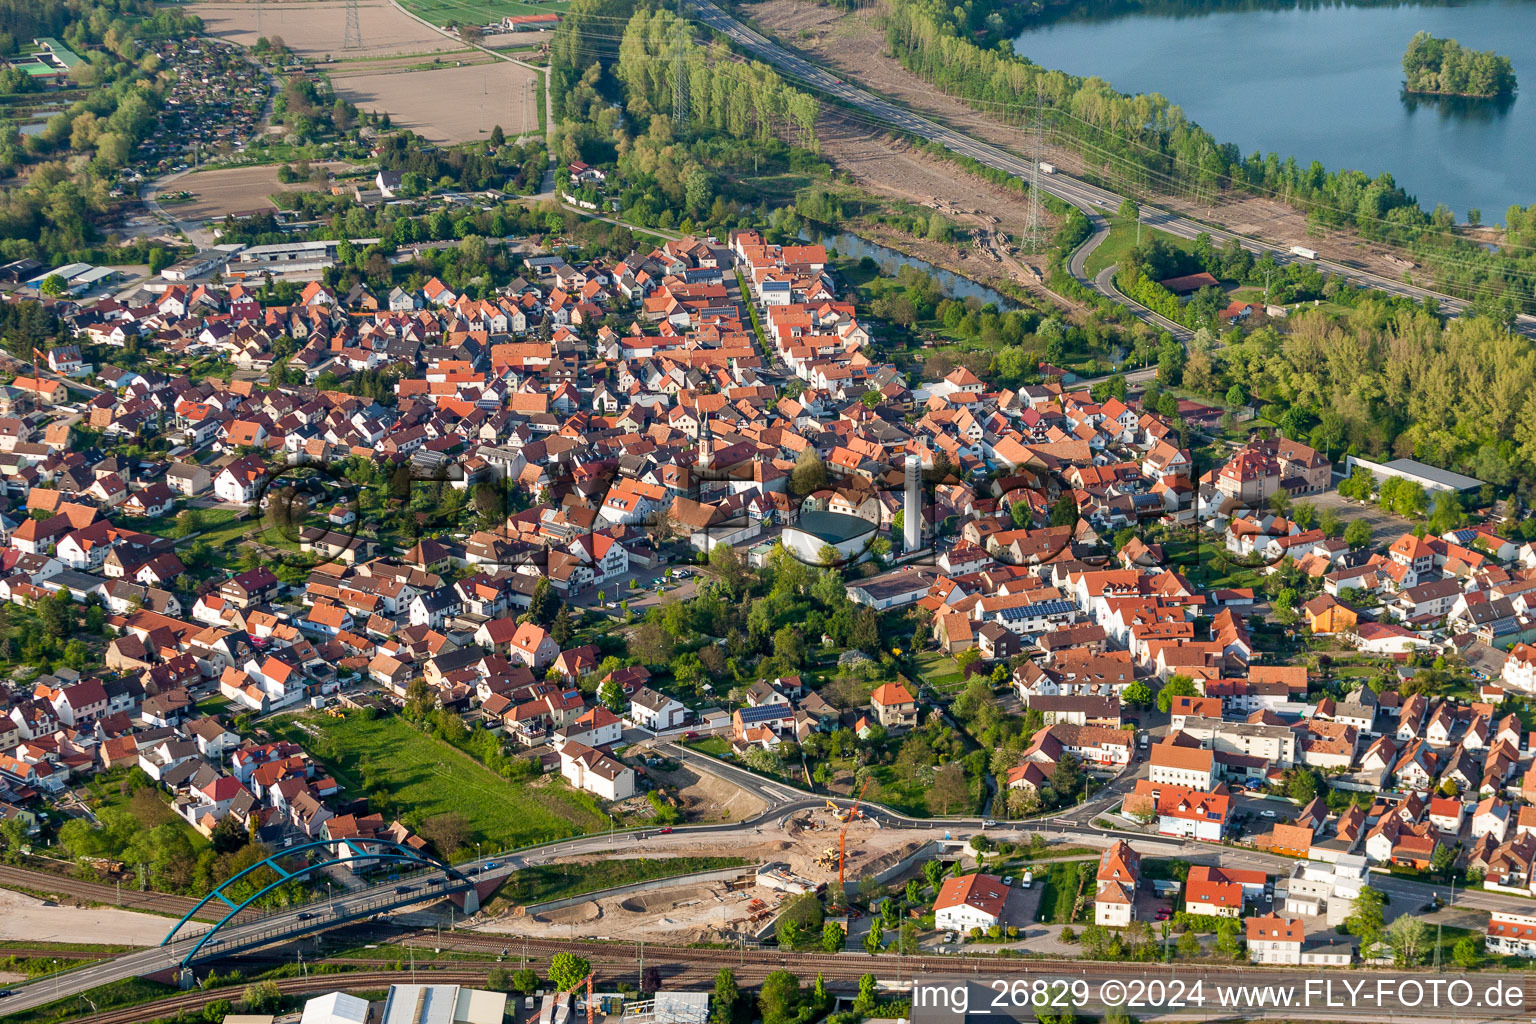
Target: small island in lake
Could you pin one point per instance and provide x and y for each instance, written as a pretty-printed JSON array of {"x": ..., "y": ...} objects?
[{"x": 1443, "y": 67}]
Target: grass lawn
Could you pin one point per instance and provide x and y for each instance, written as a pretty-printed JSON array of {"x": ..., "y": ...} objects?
[
  {"x": 1122, "y": 239},
  {"x": 714, "y": 746},
  {"x": 1207, "y": 565},
  {"x": 556, "y": 881},
  {"x": 939, "y": 671},
  {"x": 1061, "y": 882},
  {"x": 426, "y": 777}
]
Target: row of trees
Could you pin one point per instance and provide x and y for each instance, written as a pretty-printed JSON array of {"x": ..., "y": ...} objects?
[{"x": 746, "y": 99}]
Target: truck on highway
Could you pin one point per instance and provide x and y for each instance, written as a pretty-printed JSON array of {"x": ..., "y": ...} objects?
[
  {"x": 1303, "y": 252},
  {"x": 1046, "y": 168}
]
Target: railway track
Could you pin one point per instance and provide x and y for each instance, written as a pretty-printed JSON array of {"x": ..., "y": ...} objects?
[
  {"x": 65, "y": 888},
  {"x": 172, "y": 1005}
]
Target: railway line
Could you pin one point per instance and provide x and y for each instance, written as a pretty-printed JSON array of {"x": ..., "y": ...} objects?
[{"x": 31, "y": 879}]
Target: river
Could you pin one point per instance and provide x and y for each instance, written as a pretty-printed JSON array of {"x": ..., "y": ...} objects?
[
  {"x": 1324, "y": 82},
  {"x": 952, "y": 285}
]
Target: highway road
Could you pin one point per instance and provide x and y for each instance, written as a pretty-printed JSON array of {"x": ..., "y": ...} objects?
[{"x": 1091, "y": 199}]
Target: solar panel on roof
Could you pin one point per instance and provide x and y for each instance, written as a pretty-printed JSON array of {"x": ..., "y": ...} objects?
[{"x": 763, "y": 713}]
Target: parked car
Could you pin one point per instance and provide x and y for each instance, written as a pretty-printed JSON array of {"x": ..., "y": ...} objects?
[
  {"x": 1008, "y": 880},
  {"x": 1266, "y": 813}
]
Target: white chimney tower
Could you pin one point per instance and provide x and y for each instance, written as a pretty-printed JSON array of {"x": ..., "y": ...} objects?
[{"x": 912, "y": 506}]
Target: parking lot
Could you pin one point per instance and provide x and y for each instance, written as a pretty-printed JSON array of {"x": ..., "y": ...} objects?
[
  {"x": 1385, "y": 527},
  {"x": 644, "y": 595}
]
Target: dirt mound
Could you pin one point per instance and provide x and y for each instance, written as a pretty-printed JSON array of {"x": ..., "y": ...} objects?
[{"x": 577, "y": 914}]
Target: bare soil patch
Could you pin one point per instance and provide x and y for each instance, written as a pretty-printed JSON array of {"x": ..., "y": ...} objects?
[
  {"x": 220, "y": 192},
  {"x": 317, "y": 30},
  {"x": 855, "y": 43},
  {"x": 455, "y": 104},
  {"x": 23, "y": 917},
  {"x": 708, "y": 797}
]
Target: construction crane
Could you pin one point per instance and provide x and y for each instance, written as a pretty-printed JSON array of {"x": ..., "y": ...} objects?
[
  {"x": 591, "y": 1002},
  {"x": 842, "y": 838}
]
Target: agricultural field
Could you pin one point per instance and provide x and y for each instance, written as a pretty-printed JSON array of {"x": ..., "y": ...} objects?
[
  {"x": 220, "y": 192},
  {"x": 425, "y": 777},
  {"x": 480, "y": 12},
  {"x": 317, "y": 30},
  {"x": 451, "y": 104}
]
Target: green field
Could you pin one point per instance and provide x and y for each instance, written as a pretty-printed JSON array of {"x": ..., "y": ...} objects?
[
  {"x": 425, "y": 777},
  {"x": 1122, "y": 239},
  {"x": 479, "y": 12}
]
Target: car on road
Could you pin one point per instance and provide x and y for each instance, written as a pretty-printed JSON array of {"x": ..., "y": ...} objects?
[
  {"x": 989, "y": 823},
  {"x": 491, "y": 864},
  {"x": 401, "y": 890},
  {"x": 665, "y": 831},
  {"x": 6, "y": 992},
  {"x": 305, "y": 915}
]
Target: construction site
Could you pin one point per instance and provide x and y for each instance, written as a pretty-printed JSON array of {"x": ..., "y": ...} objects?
[{"x": 807, "y": 854}]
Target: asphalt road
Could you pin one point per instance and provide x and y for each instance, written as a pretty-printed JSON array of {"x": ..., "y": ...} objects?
[{"x": 1091, "y": 199}]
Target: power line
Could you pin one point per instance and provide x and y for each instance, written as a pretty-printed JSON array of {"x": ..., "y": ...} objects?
[
  {"x": 352, "y": 37},
  {"x": 680, "y": 114}
]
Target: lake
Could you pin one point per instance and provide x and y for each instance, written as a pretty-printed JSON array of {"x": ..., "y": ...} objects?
[{"x": 1325, "y": 83}]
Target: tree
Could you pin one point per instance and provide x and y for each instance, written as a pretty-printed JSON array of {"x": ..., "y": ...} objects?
[
  {"x": 868, "y": 994},
  {"x": 1304, "y": 785},
  {"x": 779, "y": 997},
  {"x": 525, "y": 980},
  {"x": 1189, "y": 945},
  {"x": 950, "y": 787},
  {"x": 1358, "y": 533},
  {"x": 1064, "y": 511},
  {"x": 726, "y": 994},
  {"x": 446, "y": 832},
  {"x": 611, "y": 695},
  {"x": 1366, "y": 921},
  {"x": 1467, "y": 953},
  {"x": 1227, "y": 941},
  {"x": 567, "y": 970},
  {"x": 809, "y": 474},
  {"x": 53, "y": 286},
  {"x": 874, "y": 939},
  {"x": 1137, "y": 695},
  {"x": 1408, "y": 936},
  {"x": 832, "y": 937},
  {"x": 1176, "y": 686},
  {"x": 261, "y": 997}
]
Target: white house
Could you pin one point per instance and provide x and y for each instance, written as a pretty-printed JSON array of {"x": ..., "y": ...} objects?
[
  {"x": 241, "y": 480},
  {"x": 970, "y": 901},
  {"x": 655, "y": 711},
  {"x": 594, "y": 771}
]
